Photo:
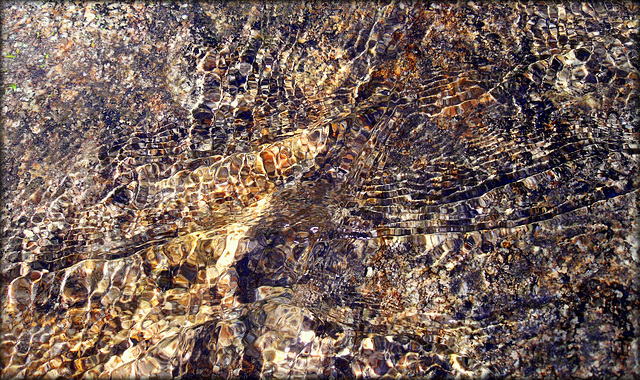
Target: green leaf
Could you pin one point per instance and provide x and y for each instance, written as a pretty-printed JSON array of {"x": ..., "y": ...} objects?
[
  {"x": 46, "y": 56},
  {"x": 9, "y": 56},
  {"x": 13, "y": 85}
]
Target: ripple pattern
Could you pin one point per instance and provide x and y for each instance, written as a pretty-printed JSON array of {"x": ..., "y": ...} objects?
[{"x": 358, "y": 190}]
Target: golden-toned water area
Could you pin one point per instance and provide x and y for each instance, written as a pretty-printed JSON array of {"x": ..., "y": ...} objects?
[{"x": 320, "y": 189}]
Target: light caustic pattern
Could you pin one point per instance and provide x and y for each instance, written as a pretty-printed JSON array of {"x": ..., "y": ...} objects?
[{"x": 387, "y": 189}]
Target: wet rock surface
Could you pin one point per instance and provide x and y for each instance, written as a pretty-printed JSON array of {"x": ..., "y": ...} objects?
[{"x": 320, "y": 189}]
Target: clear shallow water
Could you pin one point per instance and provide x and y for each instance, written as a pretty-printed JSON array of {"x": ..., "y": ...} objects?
[{"x": 355, "y": 191}]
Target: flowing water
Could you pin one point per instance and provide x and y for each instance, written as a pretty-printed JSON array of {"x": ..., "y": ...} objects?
[{"x": 357, "y": 190}]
